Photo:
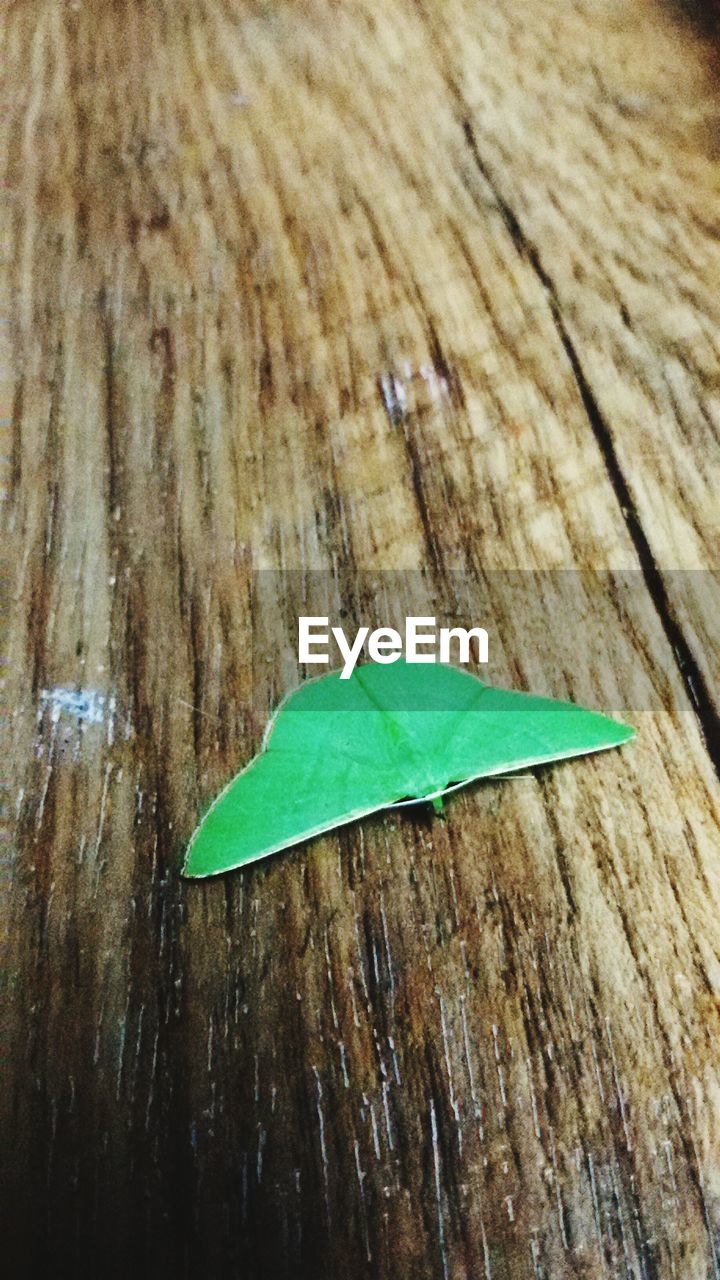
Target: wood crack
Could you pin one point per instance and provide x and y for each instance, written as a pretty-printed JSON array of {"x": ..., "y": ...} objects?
[{"x": 698, "y": 693}]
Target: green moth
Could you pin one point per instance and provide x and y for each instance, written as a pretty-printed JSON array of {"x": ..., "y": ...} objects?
[{"x": 336, "y": 750}]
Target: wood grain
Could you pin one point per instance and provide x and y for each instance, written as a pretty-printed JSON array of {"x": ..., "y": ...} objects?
[{"x": 346, "y": 289}]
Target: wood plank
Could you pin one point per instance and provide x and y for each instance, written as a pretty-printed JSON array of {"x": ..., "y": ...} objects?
[
  {"x": 614, "y": 201},
  {"x": 268, "y": 316}
]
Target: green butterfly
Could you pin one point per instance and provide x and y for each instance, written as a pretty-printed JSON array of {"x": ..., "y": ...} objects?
[{"x": 336, "y": 750}]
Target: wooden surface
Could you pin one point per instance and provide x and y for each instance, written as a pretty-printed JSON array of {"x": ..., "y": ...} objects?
[{"x": 351, "y": 287}]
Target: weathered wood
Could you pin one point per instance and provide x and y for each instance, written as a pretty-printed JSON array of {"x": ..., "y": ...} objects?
[{"x": 352, "y": 288}]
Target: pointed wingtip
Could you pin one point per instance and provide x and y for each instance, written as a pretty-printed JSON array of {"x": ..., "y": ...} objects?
[
  {"x": 186, "y": 871},
  {"x": 624, "y": 732},
  {"x": 610, "y": 732},
  {"x": 192, "y": 868}
]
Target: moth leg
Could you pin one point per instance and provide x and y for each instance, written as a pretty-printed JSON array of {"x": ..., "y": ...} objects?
[{"x": 437, "y": 804}]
